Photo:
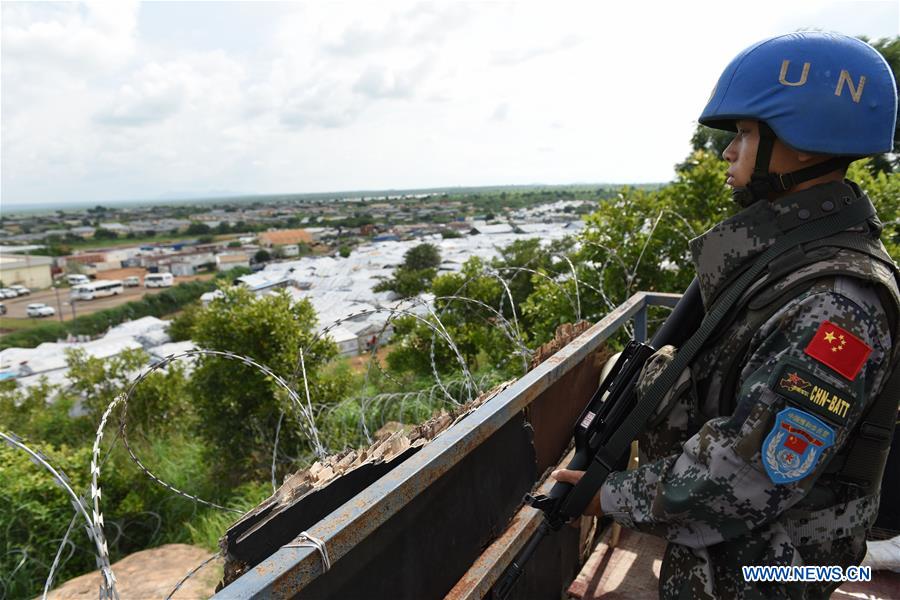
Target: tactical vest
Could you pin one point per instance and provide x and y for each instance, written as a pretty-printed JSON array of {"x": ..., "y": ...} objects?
[{"x": 860, "y": 463}]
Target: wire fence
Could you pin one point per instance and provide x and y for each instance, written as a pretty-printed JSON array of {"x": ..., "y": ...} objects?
[{"x": 375, "y": 409}]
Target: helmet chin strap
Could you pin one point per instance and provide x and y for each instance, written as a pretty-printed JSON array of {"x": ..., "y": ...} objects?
[{"x": 764, "y": 184}]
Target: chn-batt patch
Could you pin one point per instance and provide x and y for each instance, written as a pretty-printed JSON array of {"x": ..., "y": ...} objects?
[
  {"x": 838, "y": 349},
  {"x": 793, "y": 448},
  {"x": 807, "y": 391}
]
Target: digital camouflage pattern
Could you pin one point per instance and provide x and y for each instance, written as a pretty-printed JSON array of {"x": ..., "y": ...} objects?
[{"x": 702, "y": 484}]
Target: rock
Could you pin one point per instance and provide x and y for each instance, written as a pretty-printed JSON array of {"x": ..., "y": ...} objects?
[{"x": 150, "y": 574}]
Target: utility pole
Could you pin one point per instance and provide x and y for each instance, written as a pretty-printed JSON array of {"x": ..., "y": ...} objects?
[{"x": 58, "y": 302}]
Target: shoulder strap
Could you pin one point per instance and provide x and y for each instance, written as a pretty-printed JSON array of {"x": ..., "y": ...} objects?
[{"x": 868, "y": 452}]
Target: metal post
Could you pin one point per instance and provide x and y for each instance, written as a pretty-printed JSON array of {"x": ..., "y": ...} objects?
[
  {"x": 58, "y": 301},
  {"x": 640, "y": 325}
]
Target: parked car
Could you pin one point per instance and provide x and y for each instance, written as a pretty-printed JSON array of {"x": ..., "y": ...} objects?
[
  {"x": 132, "y": 281},
  {"x": 39, "y": 310},
  {"x": 2, "y": 309},
  {"x": 20, "y": 290},
  {"x": 8, "y": 293}
]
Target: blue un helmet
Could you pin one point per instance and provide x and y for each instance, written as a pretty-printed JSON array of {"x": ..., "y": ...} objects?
[{"x": 823, "y": 93}]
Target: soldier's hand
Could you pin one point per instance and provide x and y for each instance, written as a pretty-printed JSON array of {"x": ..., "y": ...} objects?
[{"x": 566, "y": 476}]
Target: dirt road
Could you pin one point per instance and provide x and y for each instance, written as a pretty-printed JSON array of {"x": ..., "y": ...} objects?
[{"x": 60, "y": 301}]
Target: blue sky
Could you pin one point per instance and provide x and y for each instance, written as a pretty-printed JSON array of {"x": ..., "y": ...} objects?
[{"x": 119, "y": 100}]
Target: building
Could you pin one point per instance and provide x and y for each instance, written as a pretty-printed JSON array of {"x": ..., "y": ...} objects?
[
  {"x": 285, "y": 237},
  {"x": 22, "y": 269},
  {"x": 226, "y": 262}
]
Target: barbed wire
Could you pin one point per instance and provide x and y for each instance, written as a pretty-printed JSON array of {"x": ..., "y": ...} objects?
[
  {"x": 93, "y": 526},
  {"x": 191, "y": 573},
  {"x": 49, "y": 582},
  {"x": 385, "y": 404}
]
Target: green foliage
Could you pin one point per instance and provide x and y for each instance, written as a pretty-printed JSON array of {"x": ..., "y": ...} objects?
[
  {"x": 105, "y": 234},
  {"x": 262, "y": 256},
  {"x": 180, "y": 327},
  {"x": 422, "y": 256},
  {"x": 407, "y": 282},
  {"x": 638, "y": 241},
  {"x": 34, "y": 515},
  {"x": 236, "y": 403},
  {"x": 49, "y": 331},
  {"x": 98, "y": 381},
  {"x": 344, "y": 251},
  {"x": 414, "y": 276},
  {"x": 884, "y": 191},
  {"x": 482, "y": 335},
  {"x": 197, "y": 228},
  {"x": 711, "y": 140}
]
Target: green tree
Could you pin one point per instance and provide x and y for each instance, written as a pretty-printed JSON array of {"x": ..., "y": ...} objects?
[
  {"x": 237, "y": 405},
  {"x": 180, "y": 327},
  {"x": 105, "y": 234},
  {"x": 98, "y": 381},
  {"x": 262, "y": 256},
  {"x": 636, "y": 241},
  {"x": 196, "y": 228},
  {"x": 423, "y": 256},
  {"x": 414, "y": 276},
  {"x": 344, "y": 251},
  {"x": 884, "y": 191}
]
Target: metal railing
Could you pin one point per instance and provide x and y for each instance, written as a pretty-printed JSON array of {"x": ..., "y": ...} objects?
[{"x": 286, "y": 572}]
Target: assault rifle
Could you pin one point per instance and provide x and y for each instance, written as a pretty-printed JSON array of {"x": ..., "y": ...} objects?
[{"x": 611, "y": 406}]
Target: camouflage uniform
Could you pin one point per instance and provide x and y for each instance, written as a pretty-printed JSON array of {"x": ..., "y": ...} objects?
[{"x": 703, "y": 483}]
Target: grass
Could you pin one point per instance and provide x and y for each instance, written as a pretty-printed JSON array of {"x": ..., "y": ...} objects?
[
  {"x": 92, "y": 244},
  {"x": 8, "y": 324}
]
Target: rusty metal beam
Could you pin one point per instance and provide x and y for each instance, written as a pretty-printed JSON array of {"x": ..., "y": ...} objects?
[
  {"x": 286, "y": 572},
  {"x": 485, "y": 571}
]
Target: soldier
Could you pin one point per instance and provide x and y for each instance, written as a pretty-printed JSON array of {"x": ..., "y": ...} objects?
[{"x": 770, "y": 449}]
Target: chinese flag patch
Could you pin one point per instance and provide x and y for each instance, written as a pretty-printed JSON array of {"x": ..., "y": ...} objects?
[{"x": 838, "y": 349}]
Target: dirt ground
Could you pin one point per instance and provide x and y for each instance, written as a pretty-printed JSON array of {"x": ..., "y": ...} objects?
[
  {"x": 151, "y": 574},
  {"x": 62, "y": 305},
  {"x": 358, "y": 364}
]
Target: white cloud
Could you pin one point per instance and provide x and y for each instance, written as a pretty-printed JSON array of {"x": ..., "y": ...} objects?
[
  {"x": 66, "y": 37},
  {"x": 100, "y": 105},
  {"x": 157, "y": 93},
  {"x": 207, "y": 83},
  {"x": 501, "y": 112}
]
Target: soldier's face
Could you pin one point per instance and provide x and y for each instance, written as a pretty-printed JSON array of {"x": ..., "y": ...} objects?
[{"x": 741, "y": 153}]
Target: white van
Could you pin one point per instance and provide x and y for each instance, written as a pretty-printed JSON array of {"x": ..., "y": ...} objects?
[
  {"x": 159, "y": 280},
  {"x": 97, "y": 289},
  {"x": 77, "y": 279}
]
